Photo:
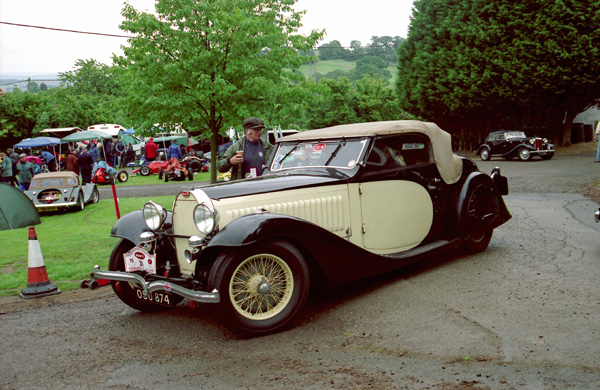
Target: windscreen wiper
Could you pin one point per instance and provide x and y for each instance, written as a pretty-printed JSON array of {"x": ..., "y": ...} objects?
[
  {"x": 288, "y": 153},
  {"x": 342, "y": 143}
]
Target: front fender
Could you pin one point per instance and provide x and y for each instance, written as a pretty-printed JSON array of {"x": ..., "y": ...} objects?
[
  {"x": 329, "y": 257},
  {"x": 515, "y": 151},
  {"x": 131, "y": 225}
]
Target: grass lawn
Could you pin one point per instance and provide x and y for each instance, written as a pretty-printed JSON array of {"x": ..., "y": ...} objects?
[{"x": 71, "y": 243}]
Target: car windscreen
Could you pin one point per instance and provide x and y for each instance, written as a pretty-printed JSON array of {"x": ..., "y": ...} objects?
[
  {"x": 339, "y": 154},
  {"x": 515, "y": 134}
]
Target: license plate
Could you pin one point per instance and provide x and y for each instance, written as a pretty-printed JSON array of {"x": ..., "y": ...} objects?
[
  {"x": 49, "y": 209},
  {"x": 158, "y": 297}
]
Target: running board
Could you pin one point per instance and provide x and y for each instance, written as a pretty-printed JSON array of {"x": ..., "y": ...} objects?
[{"x": 424, "y": 250}]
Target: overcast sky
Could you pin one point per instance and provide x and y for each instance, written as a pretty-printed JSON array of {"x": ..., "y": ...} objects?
[{"x": 31, "y": 51}]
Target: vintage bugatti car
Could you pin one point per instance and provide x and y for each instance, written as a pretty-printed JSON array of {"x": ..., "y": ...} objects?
[
  {"x": 54, "y": 191},
  {"x": 511, "y": 144},
  {"x": 334, "y": 205}
]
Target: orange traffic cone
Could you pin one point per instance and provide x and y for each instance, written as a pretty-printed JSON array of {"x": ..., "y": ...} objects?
[{"x": 38, "y": 284}]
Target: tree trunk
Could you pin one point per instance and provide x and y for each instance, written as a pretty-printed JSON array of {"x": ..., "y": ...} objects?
[
  {"x": 214, "y": 149},
  {"x": 567, "y": 127}
]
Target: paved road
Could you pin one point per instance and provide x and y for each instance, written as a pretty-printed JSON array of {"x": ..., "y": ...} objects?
[{"x": 521, "y": 315}]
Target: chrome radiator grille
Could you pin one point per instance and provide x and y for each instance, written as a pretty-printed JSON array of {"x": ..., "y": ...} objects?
[{"x": 183, "y": 224}]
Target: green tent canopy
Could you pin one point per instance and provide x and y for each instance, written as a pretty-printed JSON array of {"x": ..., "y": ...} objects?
[{"x": 16, "y": 209}]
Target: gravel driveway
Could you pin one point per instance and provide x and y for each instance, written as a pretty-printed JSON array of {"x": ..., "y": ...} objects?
[{"x": 524, "y": 314}]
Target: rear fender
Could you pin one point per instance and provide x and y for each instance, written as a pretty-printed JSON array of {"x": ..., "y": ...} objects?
[
  {"x": 131, "y": 225},
  {"x": 480, "y": 205},
  {"x": 481, "y": 148},
  {"x": 88, "y": 191}
]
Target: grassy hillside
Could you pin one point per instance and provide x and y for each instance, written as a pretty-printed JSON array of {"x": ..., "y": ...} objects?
[{"x": 325, "y": 67}]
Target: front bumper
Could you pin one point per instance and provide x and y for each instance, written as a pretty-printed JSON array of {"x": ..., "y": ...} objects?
[
  {"x": 542, "y": 152},
  {"x": 157, "y": 285}
]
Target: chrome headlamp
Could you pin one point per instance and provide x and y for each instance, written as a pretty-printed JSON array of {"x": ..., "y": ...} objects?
[
  {"x": 154, "y": 215},
  {"x": 206, "y": 220}
]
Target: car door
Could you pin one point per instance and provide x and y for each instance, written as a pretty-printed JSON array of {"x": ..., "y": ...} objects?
[
  {"x": 497, "y": 144},
  {"x": 396, "y": 212}
]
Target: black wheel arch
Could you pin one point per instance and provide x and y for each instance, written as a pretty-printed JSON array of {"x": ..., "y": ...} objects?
[
  {"x": 493, "y": 212},
  {"x": 131, "y": 225},
  {"x": 484, "y": 146},
  {"x": 259, "y": 228}
]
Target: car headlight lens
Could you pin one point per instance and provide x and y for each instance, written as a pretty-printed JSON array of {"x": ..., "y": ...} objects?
[
  {"x": 154, "y": 215},
  {"x": 206, "y": 220}
]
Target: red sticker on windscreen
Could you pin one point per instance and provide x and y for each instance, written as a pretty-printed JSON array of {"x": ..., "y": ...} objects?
[{"x": 319, "y": 147}]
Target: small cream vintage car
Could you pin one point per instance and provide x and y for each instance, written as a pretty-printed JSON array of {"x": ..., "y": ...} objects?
[
  {"x": 53, "y": 191},
  {"x": 334, "y": 205}
]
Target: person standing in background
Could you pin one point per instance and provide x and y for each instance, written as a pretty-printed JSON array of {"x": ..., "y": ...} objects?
[
  {"x": 247, "y": 157},
  {"x": 596, "y": 138},
  {"x": 95, "y": 153},
  {"x": 150, "y": 150},
  {"x": 49, "y": 159},
  {"x": 174, "y": 151},
  {"x": 14, "y": 156},
  {"x": 6, "y": 168},
  {"x": 26, "y": 172},
  {"x": 73, "y": 162},
  {"x": 129, "y": 155},
  {"x": 119, "y": 153},
  {"x": 85, "y": 165}
]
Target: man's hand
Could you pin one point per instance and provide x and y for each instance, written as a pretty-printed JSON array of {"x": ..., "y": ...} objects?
[{"x": 236, "y": 159}]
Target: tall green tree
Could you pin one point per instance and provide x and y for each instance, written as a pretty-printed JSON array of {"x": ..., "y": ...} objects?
[
  {"x": 89, "y": 95},
  {"x": 205, "y": 64},
  {"x": 18, "y": 116},
  {"x": 332, "y": 51},
  {"x": 334, "y": 102},
  {"x": 479, "y": 65}
]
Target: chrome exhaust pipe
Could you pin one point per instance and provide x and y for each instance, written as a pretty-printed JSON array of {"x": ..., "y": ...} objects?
[{"x": 157, "y": 285}]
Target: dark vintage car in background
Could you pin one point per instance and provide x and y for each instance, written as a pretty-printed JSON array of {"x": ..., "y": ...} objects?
[
  {"x": 61, "y": 191},
  {"x": 335, "y": 205},
  {"x": 511, "y": 144}
]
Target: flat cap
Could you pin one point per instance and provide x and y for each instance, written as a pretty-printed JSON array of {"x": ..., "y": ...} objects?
[{"x": 253, "y": 123}]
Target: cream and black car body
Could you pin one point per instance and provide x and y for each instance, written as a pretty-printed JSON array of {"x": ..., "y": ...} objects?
[
  {"x": 335, "y": 205},
  {"x": 53, "y": 191}
]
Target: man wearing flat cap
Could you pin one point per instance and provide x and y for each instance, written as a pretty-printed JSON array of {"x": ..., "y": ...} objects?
[
  {"x": 26, "y": 172},
  {"x": 247, "y": 157}
]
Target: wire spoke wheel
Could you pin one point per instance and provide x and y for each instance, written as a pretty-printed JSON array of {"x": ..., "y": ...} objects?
[{"x": 261, "y": 286}]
